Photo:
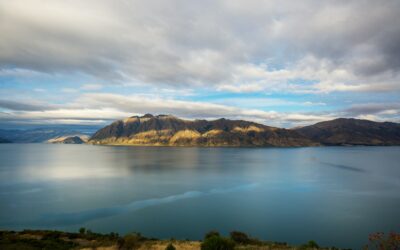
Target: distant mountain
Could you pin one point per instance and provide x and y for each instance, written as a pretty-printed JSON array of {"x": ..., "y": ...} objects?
[
  {"x": 38, "y": 135},
  {"x": 344, "y": 131},
  {"x": 78, "y": 139},
  {"x": 2, "y": 140},
  {"x": 167, "y": 130}
]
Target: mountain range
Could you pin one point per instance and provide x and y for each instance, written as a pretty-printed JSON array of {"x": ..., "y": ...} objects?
[{"x": 167, "y": 130}]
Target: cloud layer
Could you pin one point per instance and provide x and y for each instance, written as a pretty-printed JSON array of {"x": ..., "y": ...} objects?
[
  {"x": 102, "y": 108},
  {"x": 71, "y": 58},
  {"x": 235, "y": 45}
]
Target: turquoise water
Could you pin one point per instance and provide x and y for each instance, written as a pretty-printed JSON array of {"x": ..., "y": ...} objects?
[{"x": 333, "y": 195}]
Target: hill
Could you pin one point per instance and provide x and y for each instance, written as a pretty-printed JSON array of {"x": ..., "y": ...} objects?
[
  {"x": 167, "y": 130},
  {"x": 349, "y": 131},
  {"x": 77, "y": 139}
]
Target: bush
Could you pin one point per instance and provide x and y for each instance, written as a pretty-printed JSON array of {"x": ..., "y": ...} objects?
[
  {"x": 217, "y": 242},
  {"x": 240, "y": 237},
  {"x": 310, "y": 244},
  {"x": 382, "y": 241},
  {"x": 130, "y": 241},
  {"x": 170, "y": 247},
  {"x": 211, "y": 234},
  {"x": 113, "y": 235},
  {"x": 82, "y": 230}
]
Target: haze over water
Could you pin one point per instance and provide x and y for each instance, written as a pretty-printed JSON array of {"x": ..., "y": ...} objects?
[{"x": 333, "y": 195}]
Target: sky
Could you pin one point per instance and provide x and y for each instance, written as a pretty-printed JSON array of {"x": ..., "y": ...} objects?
[{"x": 280, "y": 63}]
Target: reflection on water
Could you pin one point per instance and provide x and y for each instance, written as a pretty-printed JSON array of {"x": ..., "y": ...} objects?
[{"x": 334, "y": 195}]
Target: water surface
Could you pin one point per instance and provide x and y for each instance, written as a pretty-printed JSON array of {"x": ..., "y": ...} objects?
[{"x": 333, "y": 195}]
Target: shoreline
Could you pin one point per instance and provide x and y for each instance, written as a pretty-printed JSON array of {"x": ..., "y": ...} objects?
[{"x": 88, "y": 240}]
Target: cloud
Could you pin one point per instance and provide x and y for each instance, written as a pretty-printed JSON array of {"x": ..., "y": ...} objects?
[
  {"x": 24, "y": 106},
  {"x": 229, "y": 45},
  {"x": 102, "y": 108},
  {"x": 234, "y": 54},
  {"x": 241, "y": 88},
  {"x": 69, "y": 90},
  {"x": 374, "y": 111},
  {"x": 91, "y": 87}
]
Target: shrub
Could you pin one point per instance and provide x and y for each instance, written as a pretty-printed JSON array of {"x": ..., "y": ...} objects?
[
  {"x": 113, "y": 235},
  {"x": 310, "y": 244},
  {"x": 217, "y": 242},
  {"x": 82, "y": 230},
  {"x": 211, "y": 234},
  {"x": 170, "y": 247},
  {"x": 240, "y": 237},
  {"x": 130, "y": 241},
  {"x": 382, "y": 241},
  {"x": 52, "y": 235}
]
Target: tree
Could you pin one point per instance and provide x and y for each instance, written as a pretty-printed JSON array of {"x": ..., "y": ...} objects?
[{"x": 82, "y": 230}]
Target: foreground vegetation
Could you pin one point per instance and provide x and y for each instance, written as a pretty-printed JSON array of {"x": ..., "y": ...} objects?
[{"x": 86, "y": 239}]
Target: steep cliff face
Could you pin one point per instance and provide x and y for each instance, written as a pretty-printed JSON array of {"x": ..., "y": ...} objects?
[
  {"x": 166, "y": 130},
  {"x": 351, "y": 131}
]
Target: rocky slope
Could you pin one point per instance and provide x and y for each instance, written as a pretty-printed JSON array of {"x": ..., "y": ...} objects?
[
  {"x": 166, "y": 130},
  {"x": 351, "y": 131}
]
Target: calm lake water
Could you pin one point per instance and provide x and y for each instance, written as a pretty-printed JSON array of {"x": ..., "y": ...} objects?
[{"x": 333, "y": 195}]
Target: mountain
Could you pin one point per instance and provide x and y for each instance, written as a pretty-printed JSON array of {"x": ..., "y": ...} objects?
[
  {"x": 2, "y": 140},
  {"x": 351, "y": 131},
  {"x": 78, "y": 139},
  {"x": 167, "y": 130},
  {"x": 37, "y": 135}
]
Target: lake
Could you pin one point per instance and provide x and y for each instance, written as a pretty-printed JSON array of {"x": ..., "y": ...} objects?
[{"x": 333, "y": 195}]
